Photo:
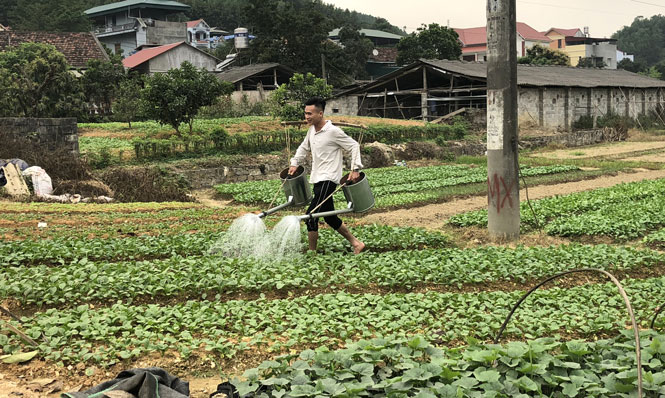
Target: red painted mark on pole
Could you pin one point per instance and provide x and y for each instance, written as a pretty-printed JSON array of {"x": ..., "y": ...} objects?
[{"x": 494, "y": 189}]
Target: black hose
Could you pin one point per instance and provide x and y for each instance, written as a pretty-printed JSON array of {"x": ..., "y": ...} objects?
[
  {"x": 658, "y": 311},
  {"x": 622, "y": 292}
]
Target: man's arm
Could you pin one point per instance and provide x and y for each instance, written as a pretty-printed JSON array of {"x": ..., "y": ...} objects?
[
  {"x": 349, "y": 144},
  {"x": 301, "y": 154}
]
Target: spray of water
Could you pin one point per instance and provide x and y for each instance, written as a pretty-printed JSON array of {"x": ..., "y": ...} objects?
[
  {"x": 248, "y": 238},
  {"x": 284, "y": 239}
]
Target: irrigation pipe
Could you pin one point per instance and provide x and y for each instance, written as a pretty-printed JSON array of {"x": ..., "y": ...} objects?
[{"x": 623, "y": 294}]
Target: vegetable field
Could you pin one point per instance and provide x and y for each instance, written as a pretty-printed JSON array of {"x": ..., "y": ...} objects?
[
  {"x": 108, "y": 287},
  {"x": 393, "y": 186}
]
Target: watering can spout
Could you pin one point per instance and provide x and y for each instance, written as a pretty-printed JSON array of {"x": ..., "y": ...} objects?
[{"x": 268, "y": 212}]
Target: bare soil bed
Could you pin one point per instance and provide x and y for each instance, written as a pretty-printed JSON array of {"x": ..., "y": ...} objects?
[{"x": 654, "y": 158}]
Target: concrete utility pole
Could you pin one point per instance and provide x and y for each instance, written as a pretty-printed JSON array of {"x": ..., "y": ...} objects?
[{"x": 503, "y": 200}]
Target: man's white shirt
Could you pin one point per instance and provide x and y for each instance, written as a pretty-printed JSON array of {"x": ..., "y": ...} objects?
[{"x": 327, "y": 147}]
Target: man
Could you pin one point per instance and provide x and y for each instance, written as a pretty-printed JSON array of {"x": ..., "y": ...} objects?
[{"x": 326, "y": 143}]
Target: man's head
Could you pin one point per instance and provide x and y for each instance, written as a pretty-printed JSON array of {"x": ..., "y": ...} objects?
[{"x": 314, "y": 108}]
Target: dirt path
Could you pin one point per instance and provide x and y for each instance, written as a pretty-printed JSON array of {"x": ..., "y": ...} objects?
[
  {"x": 434, "y": 215},
  {"x": 602, "y": 150}
]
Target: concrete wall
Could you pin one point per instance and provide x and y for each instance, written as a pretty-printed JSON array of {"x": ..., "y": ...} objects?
[
  {"x": 55, "y": 133},
  {"x": 606, "y": 51},
  {"x": 128, "y": 42},
  {"x": 556, "y": 109},
  {"x": 347, "y": 106},
  {"x": 176, "y": 56},
  {"x": 166, "y": 33},
  {"x": 253, "y": 96}
]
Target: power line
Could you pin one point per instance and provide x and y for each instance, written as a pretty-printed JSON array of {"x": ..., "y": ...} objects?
[
  {"x": 570, "y": 8},
  {"x": 647, "y": 3}
]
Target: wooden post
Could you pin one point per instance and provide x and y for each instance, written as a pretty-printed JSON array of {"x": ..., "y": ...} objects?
[
  {"x": 503, "y": 200},
  {"x": 423, "y": 96}
]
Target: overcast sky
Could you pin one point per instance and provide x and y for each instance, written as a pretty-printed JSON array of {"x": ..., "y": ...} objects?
[{"x": 603, "y": 17}]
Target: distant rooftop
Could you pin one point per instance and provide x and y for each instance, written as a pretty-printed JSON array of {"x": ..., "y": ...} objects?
[
  {"x": 369, "y": 33},
  {"x": 77, "y": 47},
  {"x": 565, "y": 32},
  {"x": 136, "y": 4},
  {"x": 478, "y": 36}
]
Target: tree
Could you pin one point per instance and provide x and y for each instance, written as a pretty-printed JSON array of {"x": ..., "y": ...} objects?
[
  {"x": 35, "y": 81},
  {"x": 645, "y": 38},
  {"x": 176, "y": 96},
  {"x": 52, "y": 16},
  {"x": 128, "y": 100},
  {"x": 382, "y": 24},
  {"x": 431, "y": 42},
  {"x": 101, "y": 82},
  {"x": 652, "y": 72},
  {"x": 347, "y": 60},
  {"x": 630, "y": 66},
  {"x": 539, "y": 55},
  {"x": 288, "y": 101},
  {"x": 287, "y": 32}
]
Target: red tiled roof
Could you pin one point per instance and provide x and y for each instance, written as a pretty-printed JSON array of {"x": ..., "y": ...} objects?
[
  {"x": 191, "y": 24},
  {"x": 77, "y": 47},
  {"x": 140, "y": 57},
  {"x": 474, "y": 49},
  {"x": 478, "y": 36},
  {"x": 472, "y": 36},
  {"x": 529, "y": 33},
  {"x": 564, "y": 32}
]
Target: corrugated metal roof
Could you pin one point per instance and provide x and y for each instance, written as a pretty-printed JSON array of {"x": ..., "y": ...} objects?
[
  {"x": 528, "y": 75},
  {"x": 140, "y": 57},
  {"x": 369, "y": 33},
  {"x": 238, "y": 73},
  {"x": 121, "y": 5}
]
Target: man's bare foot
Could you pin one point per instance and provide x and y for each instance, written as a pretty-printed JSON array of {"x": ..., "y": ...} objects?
[{"x": 357, "y": 248}]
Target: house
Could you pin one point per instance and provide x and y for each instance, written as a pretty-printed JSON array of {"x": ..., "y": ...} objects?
[
  {"x": 198, "y": 33},
  {"x": 383, "y": 58},
  {"x": 254, "y": 80},
  {"x": 474, "y": 41},
  {"x": 578, "y": 45},
  {"x": 163, "y": 58},
  {"x": 549, "y": 97},
  {"x": 621, "y": 55},
  {"x": 601, "y": 52},
  {"x": 77, "y": 47},
  {"x": 128, "y": 26},
  {"x": 558, "y": 37}
]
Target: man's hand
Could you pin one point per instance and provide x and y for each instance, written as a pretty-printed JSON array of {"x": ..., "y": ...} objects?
[
  {"x": 292, "y": 170},
  {"x": 354, "y": 176}
]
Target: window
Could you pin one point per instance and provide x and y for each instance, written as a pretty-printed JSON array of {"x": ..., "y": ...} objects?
[{"x": 559, "y": 43}]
